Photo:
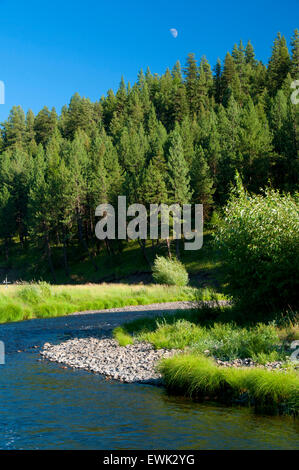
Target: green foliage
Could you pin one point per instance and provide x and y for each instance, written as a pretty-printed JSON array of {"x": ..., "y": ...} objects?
[
  {"x": 202, "y": 181},
  {"x": 174, "y": 138},
  {"x": 169, "y": 271},
  {"x": 178, "y": 170},
  {"x": 225, "y": 341},
  {"x": 259, "y": 241},
  {"x": 178, "y": 335}
]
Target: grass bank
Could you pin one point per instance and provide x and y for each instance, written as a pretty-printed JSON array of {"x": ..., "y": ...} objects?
[
  {"x": 200, "y": 378},
  {"x": 219, "y": 338},
  {"x": 194, "y": 374},
  {"x": 22, "y": 302}
]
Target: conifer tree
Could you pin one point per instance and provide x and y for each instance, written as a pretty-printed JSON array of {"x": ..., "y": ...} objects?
[
  {"x": 45, "y": 125},
  {"x": 202, "y": 183},
  {"x": 218, "y": 82},
  {"x": 179, "y": 179},
  {"x": 191, "y": 73},
  {"x": 250, "y": 54},
  {"x": 255, "y": 147},
  {"x": 146, "y": 141},
  {"x": 154, "y": 190},
  {"x": 295, "y": 55},
  {"x": 14, "y": 128},
  {"x": 279, "y": 64}
]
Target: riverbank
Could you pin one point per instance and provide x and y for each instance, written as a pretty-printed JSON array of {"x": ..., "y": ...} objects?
[
  {"x": 135, "y": 362},
  {"x": 27, "y": 301},
  {"x": 219, "y": 360},
  {"x": 70, "y": 408},
  {"x": 173, "y": 349},
  {"x": 200, "y": 378}
]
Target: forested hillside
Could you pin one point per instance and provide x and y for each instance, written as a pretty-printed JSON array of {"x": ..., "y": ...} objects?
[{"x": 179, "y": 137}]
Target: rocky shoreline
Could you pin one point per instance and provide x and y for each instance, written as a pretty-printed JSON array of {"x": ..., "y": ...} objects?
[{"x": 132, "y": 363}]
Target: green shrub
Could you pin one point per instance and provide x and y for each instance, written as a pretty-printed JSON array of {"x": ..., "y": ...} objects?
[
  {"x": 259, "y": 243},
  {"x": 171, "y": 272}
]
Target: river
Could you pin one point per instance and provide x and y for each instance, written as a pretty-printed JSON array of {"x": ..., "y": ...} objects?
[{"x": 47, "y": 406}]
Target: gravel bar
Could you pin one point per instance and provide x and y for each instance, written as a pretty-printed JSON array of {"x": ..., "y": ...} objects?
[{"x": 132, "y": 363}]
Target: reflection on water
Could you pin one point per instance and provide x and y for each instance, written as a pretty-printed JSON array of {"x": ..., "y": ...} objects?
[{"x": 45, "y": 406}]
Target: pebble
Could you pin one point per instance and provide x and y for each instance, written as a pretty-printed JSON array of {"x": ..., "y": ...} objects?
[{"x": 133, "y": 363}]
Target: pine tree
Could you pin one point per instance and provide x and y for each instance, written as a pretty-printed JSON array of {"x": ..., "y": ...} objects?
[
  {"x": 238, "y": 54},
  {"x": 250, "y": 54},
  {"x": 30, "y": 132},
  {"x": 191, "y": 73},
  {"x": 41, "y": 209},
  {"x": 205, "y": 83},
  {"x": 180, "y": 192},
  {"x": 45, "y": 125},
  {"x": 153, "y": 189},
  {"x": 279, "y": 64},
  {"x": 14, "y": 128},
  {"x": 218, "y": 82},
  {"x": 295, "y": 55},
  {"x": 201, "y": 181},
  {"x": 229, "y": 71},
  {"x": 179, "y": 179},
  {"x": 177, "y": 73},
  {"x": 255, "y": 147},
  {"x": 186, "y": 133}
]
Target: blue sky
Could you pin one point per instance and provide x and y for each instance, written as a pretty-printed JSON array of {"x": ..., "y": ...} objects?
[{"x": 51, "y": 50}]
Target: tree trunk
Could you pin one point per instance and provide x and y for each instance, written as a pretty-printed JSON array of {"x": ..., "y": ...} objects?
[
  {"x": 153, "y": 248},
  {"x": 49, "y": 255},
  {"x": 82, "y": 240},
  {"x": 6, "y": 249},
  {"x": 65, "y": 260},
  {"x": 177, "y": 248},
  {"x": 107, "y": 247},
  {"x": 142, "y": 245},
  {"x": 168, "y": 247}
]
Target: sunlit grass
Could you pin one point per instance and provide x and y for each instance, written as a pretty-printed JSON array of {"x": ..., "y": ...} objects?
[
  {"x": 198, "y": 377},
  {"x": 19, "y": 302},
  {"x": 123, "y": 338},
  {"x": 226, "y": 341}
]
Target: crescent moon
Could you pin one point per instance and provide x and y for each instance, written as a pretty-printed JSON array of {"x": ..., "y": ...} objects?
[{"x": 173, "y": 32}]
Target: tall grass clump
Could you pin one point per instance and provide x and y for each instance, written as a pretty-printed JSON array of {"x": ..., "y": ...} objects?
[
  {"x": 259, "y": 244},
  {"x": 169, "y": 271},
  {"x": 35, "y": 293},
  {"x": 122, "y": 337},
  {"x": 198, "y": 377}
]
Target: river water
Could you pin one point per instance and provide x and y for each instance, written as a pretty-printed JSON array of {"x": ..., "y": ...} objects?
[{"x": 47, "y": 406}]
